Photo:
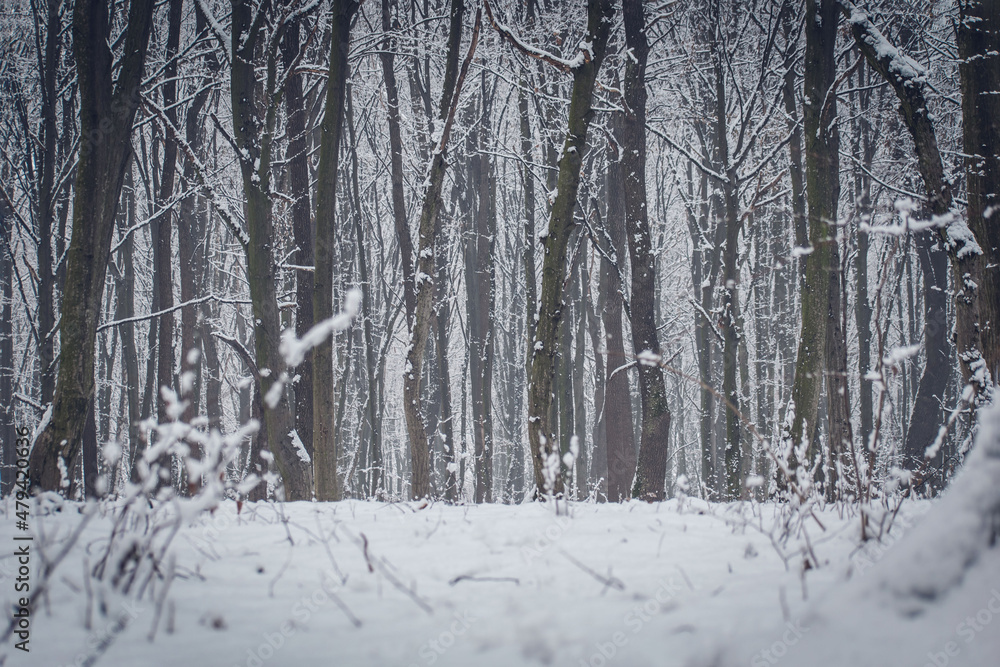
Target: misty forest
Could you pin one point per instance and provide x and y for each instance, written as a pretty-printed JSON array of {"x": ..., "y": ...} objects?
[{"x": 500, "y": 332}]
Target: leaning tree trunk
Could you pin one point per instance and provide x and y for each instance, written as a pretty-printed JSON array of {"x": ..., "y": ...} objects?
[
  {"x": 909, "y": 83},
  {"x": 325, "y": 453},
  {"x": 541, "y": 433},
  {"x": 652, "y": 465},
  {"x": 822, "y": 192},
  {"x": 107, "y": 109}
]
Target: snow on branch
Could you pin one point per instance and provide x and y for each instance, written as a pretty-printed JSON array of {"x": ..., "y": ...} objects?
[
  {"x": 584, "y": 56},
  {"x": 220, "y": 206},
  {"x": 900, "y": 66},
  {"x": 217, "y": 30}
]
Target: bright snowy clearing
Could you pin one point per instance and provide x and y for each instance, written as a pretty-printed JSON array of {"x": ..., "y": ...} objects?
[{"x": 652, "y": 584}]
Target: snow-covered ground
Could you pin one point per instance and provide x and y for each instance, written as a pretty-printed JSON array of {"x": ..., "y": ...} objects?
[{"x": 365, "y": 583}]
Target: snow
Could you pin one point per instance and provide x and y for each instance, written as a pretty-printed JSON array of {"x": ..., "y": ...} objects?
[
  {"x": 896, "y": 62},
  {"x": 300, "y": 448},
  {"x": 649, "y": 358},
  {"x": 932, "y": 598},
  {"x": 294, "y": 349},
  {"x": 505, "y": 585}
]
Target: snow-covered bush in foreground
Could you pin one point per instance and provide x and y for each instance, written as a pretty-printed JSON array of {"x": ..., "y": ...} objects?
[
  {"x": 135, "y": 563},
  {"x": 933, "y": 599}
]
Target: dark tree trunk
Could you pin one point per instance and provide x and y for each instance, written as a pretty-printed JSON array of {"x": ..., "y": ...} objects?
[
  {"x": 652, "y": 463},
  {"x": 978, "y": 35},
  {"x": 862, "y": 308},
  {"x": 254, "y": 140},
  {"x": 325, "y": 446},
  {"x": 732, "y": 483},
  {"x": 372, "y": 474},
  {"x": 479, "y": 277},
  {"x": 387, "y": 58},
  {"x": 429, "y": 230},
  {"x": 800, "y": 226},
  {"x": 541, "y": 432},
  {"x": 928, "y": 411},
  {"x": 107, "y": 109},
  {"x": 297, "y": 155},
  {"x": 46, "y": 312},
  {"x": 822, "y": 191}
]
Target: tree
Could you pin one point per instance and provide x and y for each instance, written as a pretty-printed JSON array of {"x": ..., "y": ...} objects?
[
  {"x": 651, "y": 470},
  {"x": 428, "y": 230},
  {"x": 822, "y": 193},
  {"x": 978, "y": 35},
  {"x": 107, "y": 109},
  {"x": 325, "y": 448},
  {"x": 541, "y": 432},
  {"x": 253, "y": 138},
  {"x": 617, "y": 412}
]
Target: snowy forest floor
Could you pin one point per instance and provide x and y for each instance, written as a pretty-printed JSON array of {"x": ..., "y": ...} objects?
[{"x": 366, "y": 583}]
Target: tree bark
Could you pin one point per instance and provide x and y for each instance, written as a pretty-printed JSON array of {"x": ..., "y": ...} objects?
[
  {"x": 479, "y": 280},
  {"x": 978, "y": 33},
  {"x": 387, "y": 58},
  {"x": 325, "y": 446},
  {"x": 297, "y": 156},
  {"x": 429, "y": 228},
  {"x": 254, "y": 142},
  {"x": 652, "y": 463},
  {"x": 541, "y": 433},
  {"x": 107, "y": 109},
  {"x": 822, "y": 191}
]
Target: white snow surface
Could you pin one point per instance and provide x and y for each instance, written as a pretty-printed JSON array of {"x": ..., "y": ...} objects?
[
  {"x": 932, "y": 599},
  {"x": 681, "y": 583},
  {"x": 675, "y": 578}
]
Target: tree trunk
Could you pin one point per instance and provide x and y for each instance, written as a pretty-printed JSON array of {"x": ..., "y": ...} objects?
[
  {"x": 541, "y": 433},
  {"x": 978, "y": 33},
  {"x": 928, "y": 411},
  {"x": 822, "y": 192},
  {"x": 387, "y": 58},
  {"x": 325, "y": 446},
  {"x": 652, "y": 464},
  {"x": 297, "y": 156},
  {"x": 254, "y": 141},
  {"x": 107, "y": 109},
  {"x": 46, "y": 205},
  {"x": 429, "y": 229}
]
